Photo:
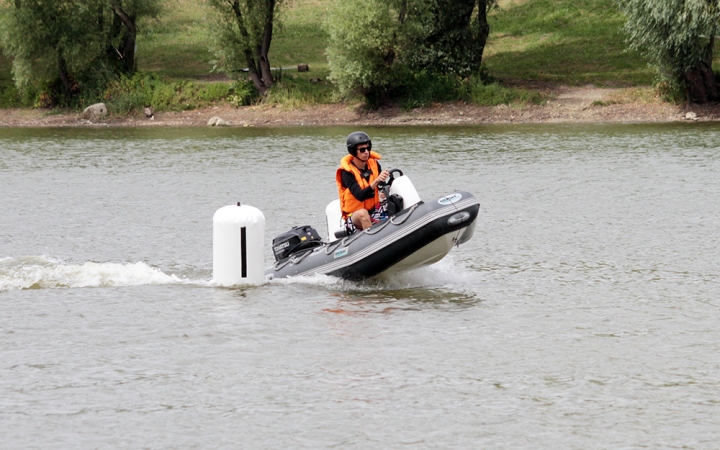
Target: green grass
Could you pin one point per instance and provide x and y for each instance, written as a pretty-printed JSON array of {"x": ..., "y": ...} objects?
[
  {"x": 177, "y": 43},
  {"x": 570, "y": 42},
  {"x": 301, "y": 36}
]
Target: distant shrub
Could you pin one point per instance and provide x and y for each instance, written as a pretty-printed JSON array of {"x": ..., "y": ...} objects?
[
  {"x": 415, "y": 89},
  {"x": 9, "y": 96},
  {"x": 131, "y": 93},
  {"x": 298, "y": 91},
  {"x": 244, "y": 93},
  {"x": 670, "y": 90}
]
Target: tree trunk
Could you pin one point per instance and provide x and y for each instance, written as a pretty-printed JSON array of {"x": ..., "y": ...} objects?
[
  {"x": 264, "y": 49},
  {"x": 257, "y": 68},
  {"x": 483, "y": 29},
  {"x": 127, "y": 44},
  {"x": 65, "y": 77},
  {"x": 700, "y": 84}
]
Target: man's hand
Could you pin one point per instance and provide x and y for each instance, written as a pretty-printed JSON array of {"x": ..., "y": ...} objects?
[{"x": 382, "y": 176}]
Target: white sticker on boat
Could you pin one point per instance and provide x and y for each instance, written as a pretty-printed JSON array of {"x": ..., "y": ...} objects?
[
  {"x": 449, "y": 199},
  {"x": 340, "y": 253}
]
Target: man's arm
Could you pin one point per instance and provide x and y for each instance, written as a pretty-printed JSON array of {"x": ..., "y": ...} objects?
[{"x": 348, "y": 180}]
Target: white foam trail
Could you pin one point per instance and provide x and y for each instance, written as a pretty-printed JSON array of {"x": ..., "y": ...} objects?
[
  {"x": 442, "y": 273},
  {"x": 39, "y": 272},
  {"x": 317, "y": 279}
]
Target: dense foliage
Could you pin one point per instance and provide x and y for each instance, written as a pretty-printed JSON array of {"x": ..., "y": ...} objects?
[
  {"x": 380, "y": 48},
  {"x": 365, "y": 38},
  {"x": 454, "y": 36},
  {"x": 678, "y": 37},
  {"x": 64, "y": 48}
]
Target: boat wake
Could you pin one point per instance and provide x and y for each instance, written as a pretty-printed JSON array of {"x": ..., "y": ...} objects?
[
  {"x": 40, "y": 272},
  {"x": 443, "y": 273}
]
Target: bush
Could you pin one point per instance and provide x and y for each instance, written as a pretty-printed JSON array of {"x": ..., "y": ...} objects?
[
  {"x": 366, "y": 39},
  {"x": 9, "y": 96},
  {"x": 244, "y": 93},
  {"x": 131, "y": 93},
  {"x": 670, "y": 90},
  {"x": 417, "y": 89}
]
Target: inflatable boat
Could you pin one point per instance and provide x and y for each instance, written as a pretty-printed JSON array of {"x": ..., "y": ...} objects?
[{"x": 417, "y": 233}]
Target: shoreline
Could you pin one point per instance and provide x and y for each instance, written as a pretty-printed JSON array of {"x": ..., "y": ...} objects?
[{"x": 568, "y": 105}]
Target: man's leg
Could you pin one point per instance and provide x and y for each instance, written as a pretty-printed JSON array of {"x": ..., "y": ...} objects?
[{"x": 361, "y": 219}]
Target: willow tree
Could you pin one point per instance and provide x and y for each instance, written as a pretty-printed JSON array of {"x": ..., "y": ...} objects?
[
  {"x": 243, "y": 37},
  {"x": 61, "y": 48},
  {"x": 678, "y": 37}
]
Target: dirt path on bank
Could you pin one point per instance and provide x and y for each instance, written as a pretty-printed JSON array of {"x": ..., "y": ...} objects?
[{"x": 586, "y": 104}]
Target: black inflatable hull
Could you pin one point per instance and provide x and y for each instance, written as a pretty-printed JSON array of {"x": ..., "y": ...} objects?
[{"x": 417, "y": 236}]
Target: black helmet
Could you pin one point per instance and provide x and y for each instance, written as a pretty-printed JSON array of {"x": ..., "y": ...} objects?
[{"x": 355, "y": 139}]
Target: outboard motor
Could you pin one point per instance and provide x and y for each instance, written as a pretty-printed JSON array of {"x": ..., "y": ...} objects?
[{"x": 297, "y": 240}]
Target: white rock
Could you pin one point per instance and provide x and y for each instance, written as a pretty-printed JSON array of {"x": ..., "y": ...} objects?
[
  {"x": 690, "y": 116},
  {"x": 216, "y": 122},
  {"x": 96, "y": 111}
]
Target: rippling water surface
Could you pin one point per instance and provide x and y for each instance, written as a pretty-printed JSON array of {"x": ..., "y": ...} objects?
[{"x": 583, "y": 313}]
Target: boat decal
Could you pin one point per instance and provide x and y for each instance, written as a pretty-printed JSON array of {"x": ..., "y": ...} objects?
[
  {"x": 340, "y": 253},
  {"x": 395, "y": 236},
  {"x": 450, "y": 199}
]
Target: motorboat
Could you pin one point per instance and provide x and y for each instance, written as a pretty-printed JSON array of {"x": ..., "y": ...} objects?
[{"x": 417, "y": 233}]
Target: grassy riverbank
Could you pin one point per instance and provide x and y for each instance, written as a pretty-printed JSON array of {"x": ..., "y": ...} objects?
[{"x": 533, "y": 44}]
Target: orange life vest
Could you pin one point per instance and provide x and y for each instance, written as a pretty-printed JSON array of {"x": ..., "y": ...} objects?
[{"x": 348, "y": 203}]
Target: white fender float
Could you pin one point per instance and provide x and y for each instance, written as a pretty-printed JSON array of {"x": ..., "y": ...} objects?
[
  {"x": 404, "y": 188},
  {"x": 333, "y": 215},
  {"x": 238, "y": 240}
]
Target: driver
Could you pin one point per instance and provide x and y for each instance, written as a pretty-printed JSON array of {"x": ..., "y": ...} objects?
[{"x": 357, "y": 180}]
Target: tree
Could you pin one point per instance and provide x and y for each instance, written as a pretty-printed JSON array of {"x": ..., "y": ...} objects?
[
  {"x": 62, "y": 47},
  {"x": 677, "y": 36},
  {"x": 366, "y": 37},
  {"x": 243, "y": 37},
  {"x": 374, "y": 44},
  {"x": 50, "y": 41},
  {"x": 457, "y": 31},
  {"x": 123, "y": 31}
]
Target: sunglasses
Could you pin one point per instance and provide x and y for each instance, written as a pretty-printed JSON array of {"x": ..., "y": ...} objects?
[{"x": 363, "y": 150}]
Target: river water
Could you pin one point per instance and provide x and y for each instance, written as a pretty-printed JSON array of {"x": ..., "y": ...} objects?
[{"x": 583, "y": 314}]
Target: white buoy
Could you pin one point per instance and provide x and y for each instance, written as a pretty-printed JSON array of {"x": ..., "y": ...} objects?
[
  {"x": 238, "y": 241},
  {"x": 404, "y": 188}
]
